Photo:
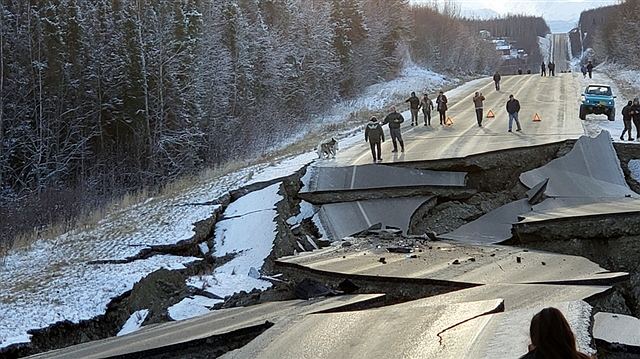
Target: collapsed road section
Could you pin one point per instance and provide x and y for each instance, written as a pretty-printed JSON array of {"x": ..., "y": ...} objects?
[{"x": 440, "y": 238}]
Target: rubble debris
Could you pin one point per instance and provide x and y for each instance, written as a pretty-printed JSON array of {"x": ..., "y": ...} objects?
[
  {"x": 400, "y": 249},
  {"x": 309, "y": 288}
]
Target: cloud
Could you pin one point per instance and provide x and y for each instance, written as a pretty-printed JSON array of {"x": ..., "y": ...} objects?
[{"x": 549, "y": 9}]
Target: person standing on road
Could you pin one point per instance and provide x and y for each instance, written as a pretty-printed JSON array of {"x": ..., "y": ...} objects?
[
  {"x": 441, "y": 106},
  {"x": 414, "y": 106},
  {"x": 427, "y": 105},
  {"x": 543, "y": 69},
  {"x": 552, "y": 69},
  {"x": 496, "y": 80},
  {"x": 374, "y": 134},
  {"x": 513, "y": 107},
  {"x": 394, "y": 120},
  {"x": 635, "y": 116},
  {"x": 478, "y": 101},
  {"x": 627, "y": 114},
  {"x": 583, "y": 68},
  {"x": 590, "y": 69}
]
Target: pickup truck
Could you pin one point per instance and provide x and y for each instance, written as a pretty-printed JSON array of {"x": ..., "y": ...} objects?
[{"x": 599, "y": 100}]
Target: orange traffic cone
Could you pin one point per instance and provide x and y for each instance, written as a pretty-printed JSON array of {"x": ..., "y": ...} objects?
[
  {"x": 449, "y": 121},
  {"x": 490, "y": 114},
  {"x": 536, "y": 118}
]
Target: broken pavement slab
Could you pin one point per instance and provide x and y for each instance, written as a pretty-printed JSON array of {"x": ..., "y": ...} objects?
[
  {"x": 376, "y": 333},
  {"x": 506, "y": 335},
  {"x": 462, "y": 330},
  {"x": 515, "y": 296},
  {"x": 619, "y": 333},
  {"x": 492, "y": 228},
  {"x": 341, "y": 220},
  {"x": 560, "y": 218},
  {"x": 219, "y": 322},
  {"x": 590, "y": 169},
  {"x": 376, "y": 176},
  {"x": 453, "y": 263}
]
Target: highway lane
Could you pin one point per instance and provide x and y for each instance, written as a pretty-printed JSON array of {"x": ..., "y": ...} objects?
[
  {"x": 560, "y": 52},
  {"x": 552, "y": 98}
]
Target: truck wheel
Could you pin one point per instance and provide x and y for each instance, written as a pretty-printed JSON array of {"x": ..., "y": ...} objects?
[
  {"x": 583, "y": 113},
  {"x": 612, "y": 114}
]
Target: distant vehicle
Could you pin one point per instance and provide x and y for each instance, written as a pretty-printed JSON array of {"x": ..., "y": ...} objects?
[{"x": 599, "y": 100}]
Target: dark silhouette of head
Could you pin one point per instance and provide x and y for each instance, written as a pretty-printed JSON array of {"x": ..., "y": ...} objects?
[
  {"x": 374, "y": 119},
  {"x": 413, "y": 94},
  {"x": 552, "y": 337},
  {"x": 511, "y": 97},
  {"x": 630, "y": 103}
]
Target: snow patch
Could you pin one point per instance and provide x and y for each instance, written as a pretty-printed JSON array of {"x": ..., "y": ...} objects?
[
  {"x": 307, "y": 210},
  {"x": 134, "y": 322},
  {"x": 192, "y": 307},
  {"x": 250, "y": 235},
  {"x": 634, "y": 168},
  {"x": 545, "y": 46}
]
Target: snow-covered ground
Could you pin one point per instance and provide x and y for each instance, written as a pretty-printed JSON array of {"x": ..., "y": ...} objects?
[
  {"x": 51, "y": 280},
  {"x": 545, "y": 46},
  {"x": 134, "y": 322},
  {"x": 247, "y": 229}
]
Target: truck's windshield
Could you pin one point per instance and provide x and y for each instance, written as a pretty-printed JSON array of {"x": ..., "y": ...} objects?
[{"x": 598, "y": 90}]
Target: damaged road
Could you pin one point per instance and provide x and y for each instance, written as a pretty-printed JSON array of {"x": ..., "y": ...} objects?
[{"x": 270, "y": 236}]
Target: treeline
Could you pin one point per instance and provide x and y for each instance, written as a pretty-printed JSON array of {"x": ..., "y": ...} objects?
[
  {"x": 589, "y": 24},
  {"x": 617, "y": 38},
  {"x": 102, "y": 97},
  {"x": 522, "y": 29},
  {"x": 119, "y": 94},
  {"x": 444, "y": 42}
]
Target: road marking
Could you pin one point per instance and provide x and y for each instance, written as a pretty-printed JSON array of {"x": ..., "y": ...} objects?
[
  {"x": 364, "y": 214},
  {"x": 353, "y": 177}
]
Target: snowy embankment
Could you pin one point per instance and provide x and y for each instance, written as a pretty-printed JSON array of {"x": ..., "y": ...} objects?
[
  {"x": 52, "y": 280},
  {"x": 545, "y": 44},
  {"x": 376, "y": 98}
]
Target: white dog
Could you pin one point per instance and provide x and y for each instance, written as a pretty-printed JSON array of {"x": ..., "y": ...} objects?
[{"x": 328, "y": 148}]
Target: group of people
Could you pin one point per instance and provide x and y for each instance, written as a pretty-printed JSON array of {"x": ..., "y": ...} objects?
[
  {"x": 374, "y": 133},
  {"x": 631, "y": 114},
  {"x": 426, "y": 104},
  {"x": 587, "y": 69},
  {"x": 551, "y": 66}
]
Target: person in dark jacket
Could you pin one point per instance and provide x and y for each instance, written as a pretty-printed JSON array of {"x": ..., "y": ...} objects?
[
  {"x": 552, "y": 68},
  {"x": 478, "y": 102},
  {"x": 427, "y": 106},
  {"x": 551, "y": 337},
  {"x": 590, "y": 69},
  {"x": 394, "y": 120},
  {"x": 513, "y": 107},
  {"x": 519, "y": 71},
  {"x": 635, "y": 116},
  {"x": 414, "y": 106},
  {"x": 627, "y": 115},
  {"x": 496, "y": 80},
  {"x": 441, "y": 106},
  {"x": 374, "y": 134},
  {"x": 583, "y": 69},
  {"x": 543, "y": 69}
]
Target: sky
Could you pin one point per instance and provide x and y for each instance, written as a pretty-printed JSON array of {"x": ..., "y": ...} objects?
[{"x": 564, "y": 10}]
